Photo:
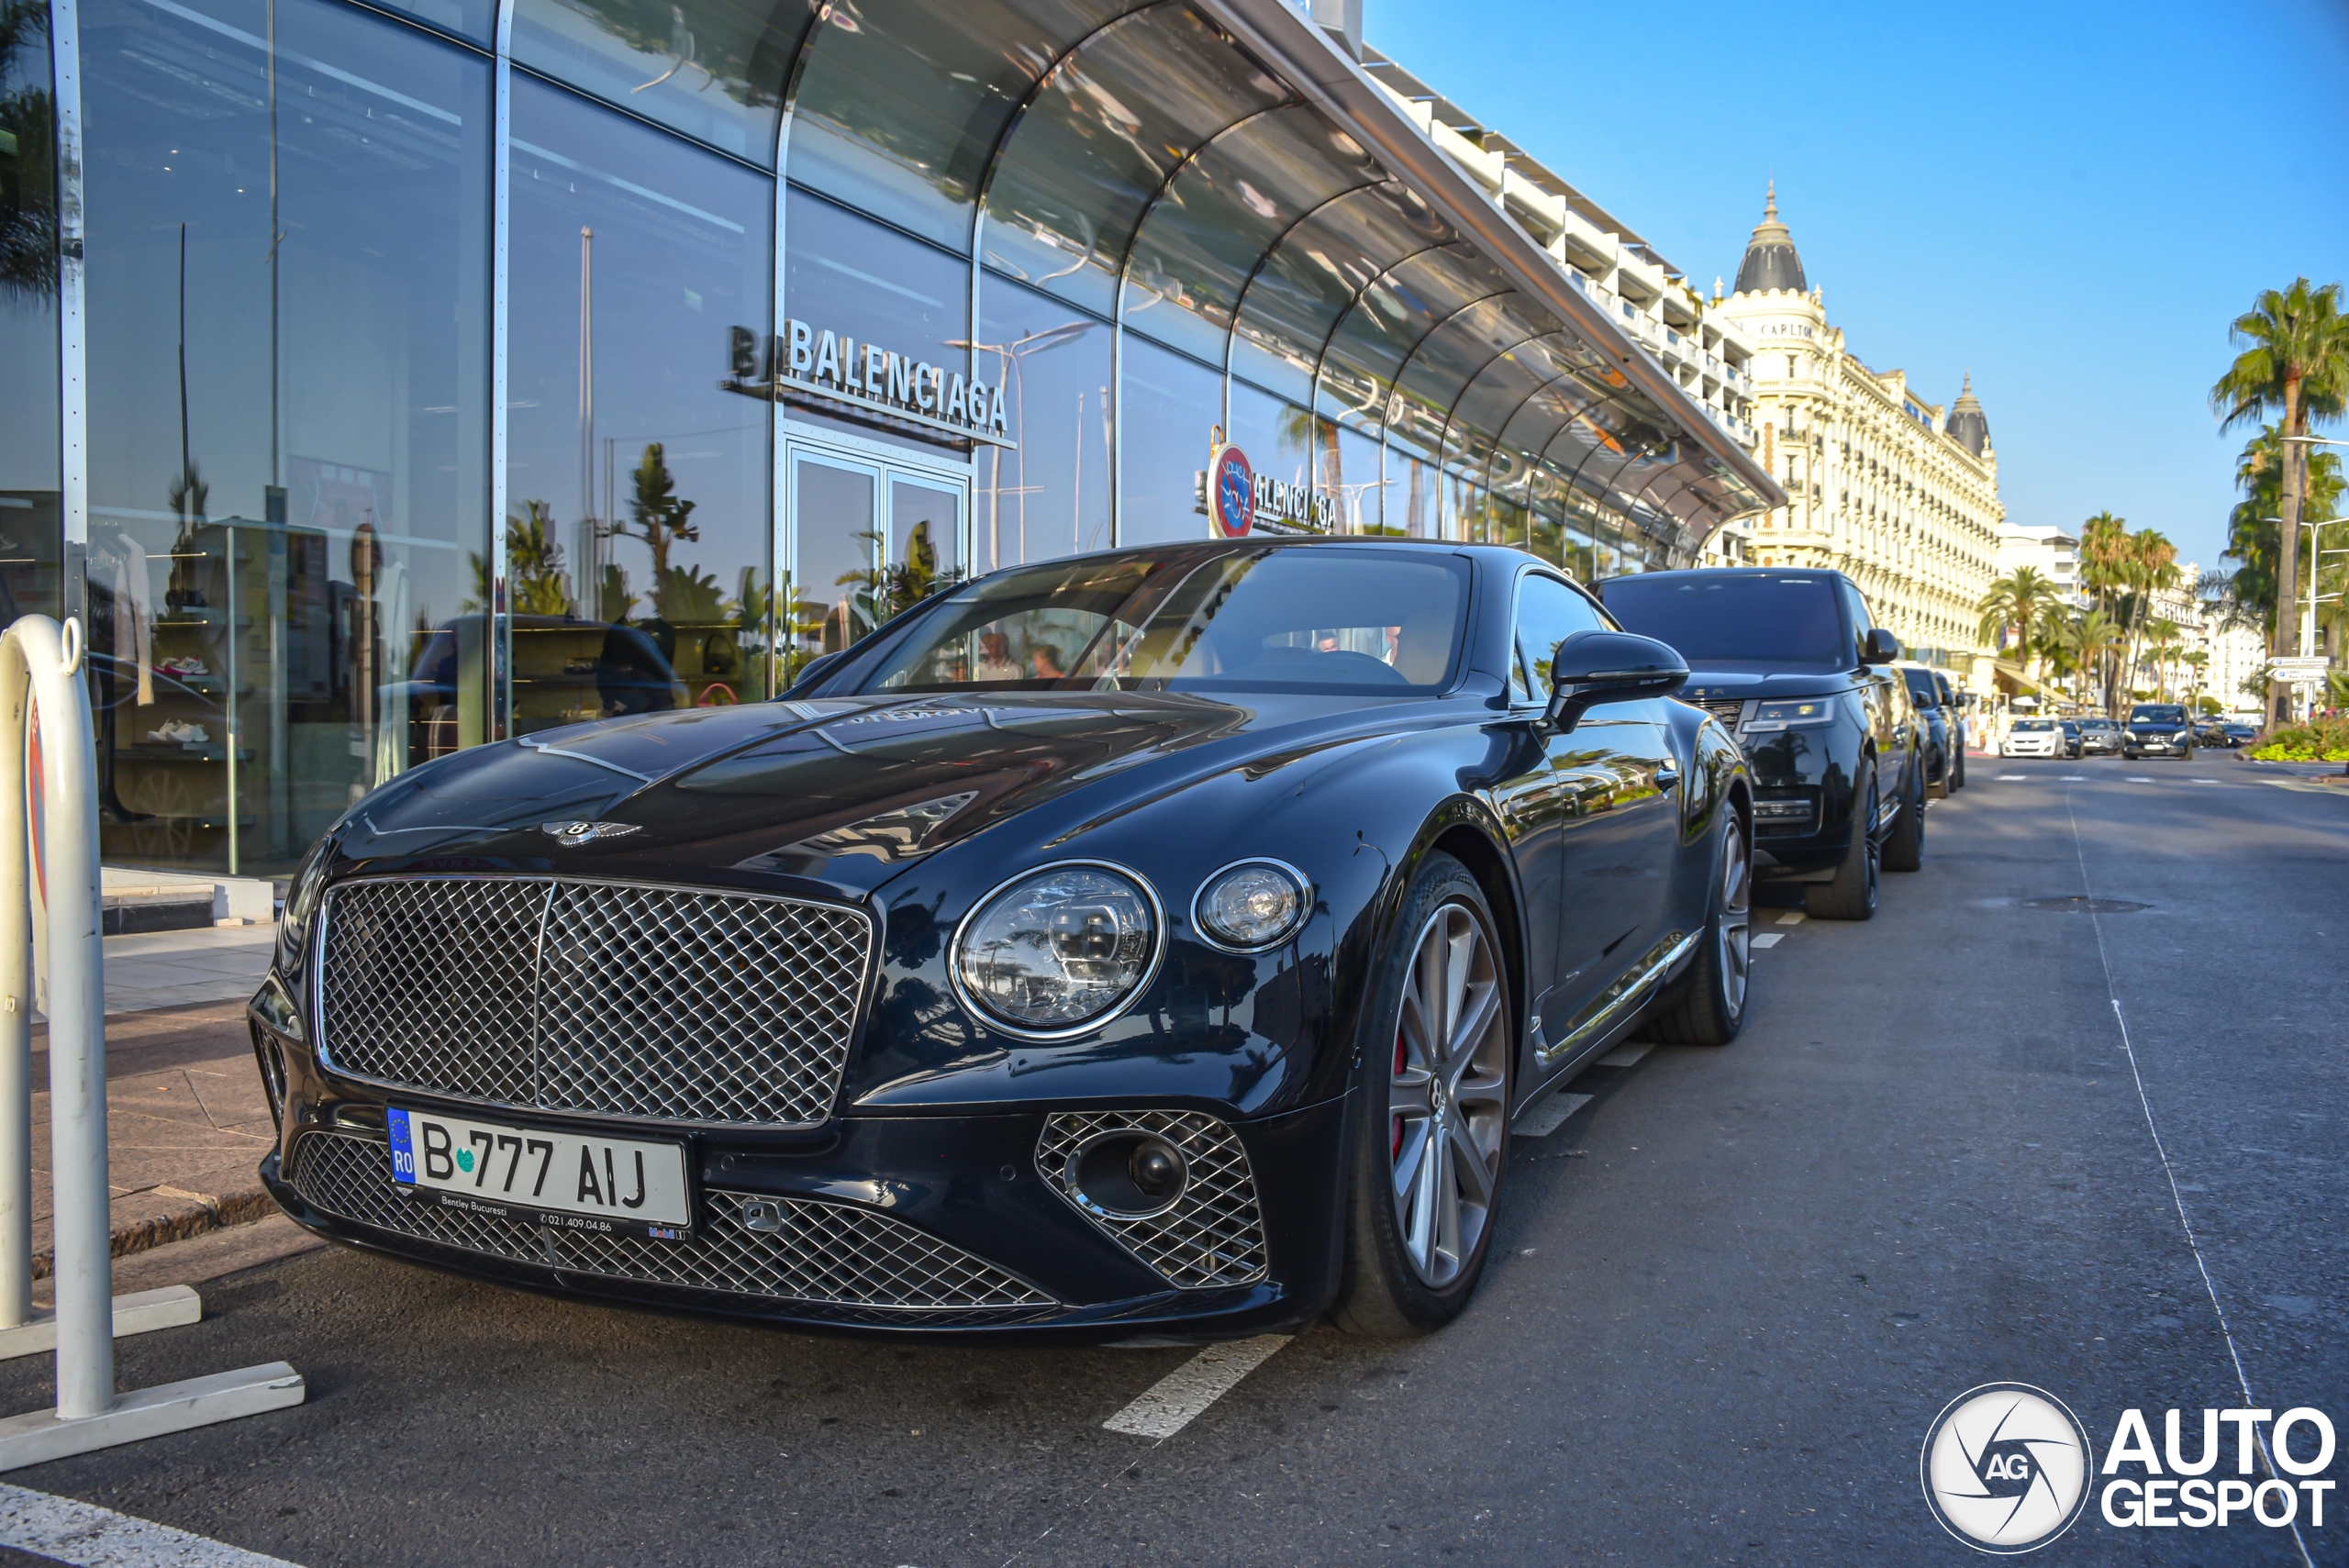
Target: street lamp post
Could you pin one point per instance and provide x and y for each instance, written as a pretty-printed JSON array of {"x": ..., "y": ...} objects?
[{"x": 2316, "y": 560}]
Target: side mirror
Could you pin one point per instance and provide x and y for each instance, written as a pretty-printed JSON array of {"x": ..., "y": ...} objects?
[
  {"x": 1594, "y": 667},
  {"x": 1880, "y": 647}
]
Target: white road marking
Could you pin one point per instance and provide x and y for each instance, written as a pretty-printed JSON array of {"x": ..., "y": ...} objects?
[
  {"x": 2011, "y": 778},
  {"x": 2134, "y": 779},
  {"x": 1627, "y": 1055},
  {"x": 1169, "y": 1404},
  {"x": 1791, "y": 917},
  {"x": 1549, "y": 1115},
  {"x": 1769, "y": 939},
  {"x": 2160, "y": 1151},
  {"x": 92, "y": 1537},
  {"x": 2073, "y": 778}
]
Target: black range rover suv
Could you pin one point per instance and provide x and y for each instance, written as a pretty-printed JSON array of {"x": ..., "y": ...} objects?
[{"x": 1791, "y": 661}]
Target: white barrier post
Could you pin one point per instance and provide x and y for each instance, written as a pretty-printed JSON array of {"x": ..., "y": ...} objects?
[
  {"x": 24, "y": 1331},
  {"x": 51, "y": 932}
]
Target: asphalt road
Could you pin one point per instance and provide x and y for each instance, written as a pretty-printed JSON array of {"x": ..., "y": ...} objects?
[{"x": 1732, "y": 1291}]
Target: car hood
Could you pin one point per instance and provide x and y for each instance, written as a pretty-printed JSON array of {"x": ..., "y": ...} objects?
[
  {"x": 1739, "y": 685},
  {"x": 841, "y": 792}
]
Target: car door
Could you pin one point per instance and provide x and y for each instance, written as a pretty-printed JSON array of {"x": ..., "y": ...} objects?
[
  {"x": 1886, "y": 697},
  {"x": 1614, "y": 822},
  {"x": 1534, "y": 796}
]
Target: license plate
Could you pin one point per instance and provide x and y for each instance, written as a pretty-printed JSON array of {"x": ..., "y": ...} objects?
[{"x": 610, "y": 1185}]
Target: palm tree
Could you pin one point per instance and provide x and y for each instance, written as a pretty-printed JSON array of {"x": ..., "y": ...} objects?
[
  {"x": 2294, "y": 366},
  {"x": 2105, "y": 553},
  {"x": 2050, "y": 637},
  {"x": 2092, "y": 639},
  {"x": 2196, "y": 661},
  {"x": 2060, "y": 663},
  {"x": 29, "y": 190},
  {"x": 2161, "y": 648},
  {"x": 2149, "y": 567},
  {"x": 2014, "y": 603}
]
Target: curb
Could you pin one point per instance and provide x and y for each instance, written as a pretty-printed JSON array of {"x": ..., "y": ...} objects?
[{"x": 208, "y": 1215}]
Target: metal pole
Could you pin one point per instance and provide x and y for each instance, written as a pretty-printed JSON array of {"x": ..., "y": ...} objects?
[
  {"x": 48, "y": 854},
  {"x": 15, "y": 1006},
  {"x": 80, "y": 1213}
]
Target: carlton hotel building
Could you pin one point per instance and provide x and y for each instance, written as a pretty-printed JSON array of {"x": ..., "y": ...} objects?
[{"x": 1899, "y": 494}]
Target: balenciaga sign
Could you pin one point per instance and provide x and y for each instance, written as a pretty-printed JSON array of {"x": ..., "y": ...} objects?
[{"x": 808, "y": 359}]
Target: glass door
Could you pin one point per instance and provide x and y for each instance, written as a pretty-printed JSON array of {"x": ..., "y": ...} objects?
[
  {"x": 834, "y": 534},
  {"x": 864, "y": 535}
]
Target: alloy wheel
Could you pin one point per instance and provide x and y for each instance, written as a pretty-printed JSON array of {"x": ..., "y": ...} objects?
[
  {"x": 1737, "y": 919},
  {"x": 1446, "y": 1115}
]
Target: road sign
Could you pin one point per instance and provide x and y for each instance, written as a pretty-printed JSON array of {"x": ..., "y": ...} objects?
[{"x": 2300, "y": 669}]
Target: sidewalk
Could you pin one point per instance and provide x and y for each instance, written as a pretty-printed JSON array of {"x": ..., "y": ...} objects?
[
  {"x": 174, "y": 969},
  {"x": 186, "y": 1122}
]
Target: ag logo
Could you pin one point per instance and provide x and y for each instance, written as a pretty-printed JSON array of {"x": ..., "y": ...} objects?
[{"x": 2005, "y": 1468}]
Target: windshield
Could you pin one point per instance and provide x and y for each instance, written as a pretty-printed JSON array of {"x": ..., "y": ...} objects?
[
  {"x": 1758, "y": 619},
  {"x": 1266, "y": 618},
  {"x": 2157, "y": 713},
  {"x": 2097, "y": 724},
  {"x": 2023, "y": 725}
]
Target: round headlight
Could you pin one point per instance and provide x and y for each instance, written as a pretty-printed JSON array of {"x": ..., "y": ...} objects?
[
  {"x": 1055, "y": 952},
  {"x": 1252, "y": 906}
]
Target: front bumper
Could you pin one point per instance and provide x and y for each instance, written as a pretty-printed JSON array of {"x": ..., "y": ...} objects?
[
  {"x": 895, "y": 1223},
  {"x": 2138, "y": 747}
]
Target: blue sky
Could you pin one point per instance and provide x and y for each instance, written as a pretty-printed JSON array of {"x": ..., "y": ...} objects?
[{"x": 2071, "y": 201}]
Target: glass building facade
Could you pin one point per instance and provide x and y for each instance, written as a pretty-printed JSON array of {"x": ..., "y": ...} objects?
[{"x": 388, "y": 379}]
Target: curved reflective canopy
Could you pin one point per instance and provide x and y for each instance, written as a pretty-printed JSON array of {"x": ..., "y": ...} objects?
[
  {"x": 1135, "y": 162},
  {"x": 460, "y": 368}
]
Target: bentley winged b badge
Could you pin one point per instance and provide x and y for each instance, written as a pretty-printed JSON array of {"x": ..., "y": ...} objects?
[{"x": 576, "y": 833}]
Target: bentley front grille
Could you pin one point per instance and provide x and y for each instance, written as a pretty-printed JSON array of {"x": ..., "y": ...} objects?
[
  {"x": 826, "y": 1253},
  {"x": 1212, "y": 1235},
  {"x": 608, "y": 999}
]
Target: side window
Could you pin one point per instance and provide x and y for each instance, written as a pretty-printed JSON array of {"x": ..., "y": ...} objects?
[
  {"x": 1548, "y": 612},
  {"x": 1861, "y": 620}
]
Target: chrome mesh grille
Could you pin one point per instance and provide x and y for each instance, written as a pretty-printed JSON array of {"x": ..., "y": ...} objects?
[
  {"x": 830, "y": 1254},
  {"x": 610, "y": 998},
  {"x": 1213, "y": 1235},
  {"x": 429, "y": 983}
]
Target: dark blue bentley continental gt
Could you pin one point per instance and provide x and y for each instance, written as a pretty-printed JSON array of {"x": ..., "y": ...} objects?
[{"x": 1159, "y": 941}]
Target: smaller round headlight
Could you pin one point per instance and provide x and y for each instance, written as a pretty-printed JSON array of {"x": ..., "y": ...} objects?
[
  {"x": 1253, "y": 905},
  {"x": 1055, "y": 952}
]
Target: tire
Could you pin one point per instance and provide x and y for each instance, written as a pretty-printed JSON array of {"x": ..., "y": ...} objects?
[
  {"x": 1938, "y": 785},
  {"x": 1414, "y": 1256},
  {"x": 1853, "y": 894},
  {"x": 1958, "y": 778},
  {"x": 1904, "y": 847},
  {"x": 1709, "y": 1007}
]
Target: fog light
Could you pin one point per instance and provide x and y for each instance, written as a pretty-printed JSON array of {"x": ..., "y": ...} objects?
[
  {"x": 1129, "y": 1175},
  {"x": 1251, "y": 905}
]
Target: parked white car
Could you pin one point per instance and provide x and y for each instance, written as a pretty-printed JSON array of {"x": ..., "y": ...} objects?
[{"x": 2033, "y": 737}]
